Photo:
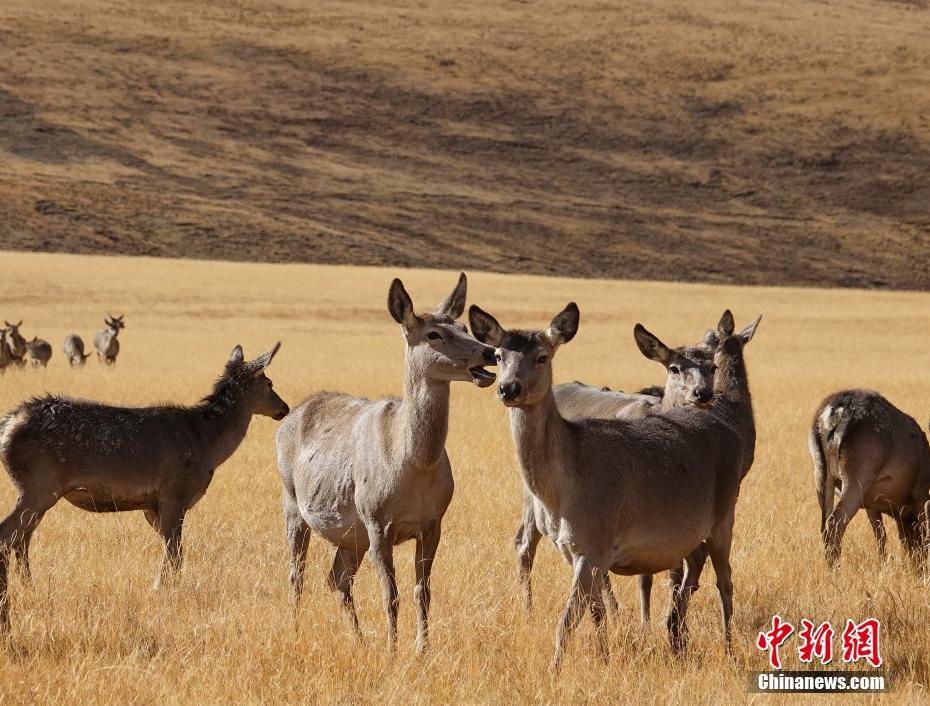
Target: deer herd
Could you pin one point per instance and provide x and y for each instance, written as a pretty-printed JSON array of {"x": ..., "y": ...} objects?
[
  {"x": 630, "y": 484},
  {"x": 14, "y": 347}
]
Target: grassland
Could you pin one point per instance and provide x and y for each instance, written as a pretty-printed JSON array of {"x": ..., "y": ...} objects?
[
  {"x": 89, "y": 630},
  {"x": 728, "y": 141}
]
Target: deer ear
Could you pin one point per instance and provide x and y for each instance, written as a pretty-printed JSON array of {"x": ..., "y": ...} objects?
[
  {"x": 650, "y": 346},
  {"x": 564, "y": 326},
  {"x": 726, "y": 325},
  {"x": 484, "y": 326},
  {"x": 454, "y": 304},
  {"x": 264, "y": 360},
  {"x": 710, "y": 340},
  {"x": 747, "y": 333},
  {"x": 237, "y": 355},
  {"x": 400, "y": 305}
]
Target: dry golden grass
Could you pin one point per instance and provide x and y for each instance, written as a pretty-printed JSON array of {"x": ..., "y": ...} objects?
[{"x": 89, "y": 630}]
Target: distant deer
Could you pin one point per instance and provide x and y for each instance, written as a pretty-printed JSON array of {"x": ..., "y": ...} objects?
[
  {"x": 105, "y": 341},
  {"x": 369, "y": 474},
  {"x": 17, "y": 343},
  {"x": 631, "y": 496},
  {"x": 873, "y": 456},
  {"x": 6, "y": 356},
  {"x": 74, "y": 350},
  {"x": 101, "y": 458},
  {"x": 690, "y": 381},
  {"x": 40, "y": 352}
]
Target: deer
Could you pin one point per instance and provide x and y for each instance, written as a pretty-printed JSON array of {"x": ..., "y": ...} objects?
[
  {"x": 872, "y": 456},
  {"x": 629, "y": 496},
  {"x": 367, "y": 475},
  {"x": 105, "y": 341},
  {"x": 6, "y": 355},
  {"x": 74, "y": 351},
  {"x": 103, "y": 458},
  {"x": 40, "y": 352},
  {"x": 690, "y": 381},
  {"x": 16, "y": 343}
]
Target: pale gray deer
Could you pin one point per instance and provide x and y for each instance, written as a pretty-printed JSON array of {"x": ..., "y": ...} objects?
[
  {"x": 369, "y": 474},
  {"x": 17, "y": 343},
  {"x": 689, "y": 381},
  {"x": 102, "y": 458},
  {"x": 106, "y": 341},
  {"x": 40, "y": 352},
  {"x": 875, "y": 457},
  {"x": 631, "y": 496},
  {"x": 74, "y": 350}
]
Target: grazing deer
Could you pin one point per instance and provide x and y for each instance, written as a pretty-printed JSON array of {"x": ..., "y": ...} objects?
[
  {"x": 105, "y": 341},
  {"x": 631, "y": 496},
  {"x": 6, "y": 356},
  {"x": 369, "y": 474},
  {"x": 17, "y": 343},
  {"x": 875, "y": 457},
  {"x": 159, "y": 460},
  {"x": 74, "y": 350},
  {"x": 40, "y": 352},
  {"x": 690, "y": 381}
]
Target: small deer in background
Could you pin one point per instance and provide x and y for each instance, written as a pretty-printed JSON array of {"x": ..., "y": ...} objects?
[
  {"x": 40, "y": 352},
  {"x": 6, "y": 357},
  {"x": 105, "y": 341},
  {"x": 74, "y": 351},
  {"x": 16, "y": 343}
]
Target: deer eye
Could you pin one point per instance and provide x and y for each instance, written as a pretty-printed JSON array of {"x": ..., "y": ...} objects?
[
  {"x": 498, "y": 357},
  {"x": 542, "y": 360},
  {"x": 433, "y": 336},
  {"x": 673, "y": 369}
]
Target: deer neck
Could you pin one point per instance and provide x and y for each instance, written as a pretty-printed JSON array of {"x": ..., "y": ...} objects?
[
  {"x": 223, "y": 427},
  {"x": 538, "y": 432},
  {"x": 731, "y": 387},
  {"x": 422, "y": 419}
]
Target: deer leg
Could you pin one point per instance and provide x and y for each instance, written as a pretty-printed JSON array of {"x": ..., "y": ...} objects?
[
  {"x": 15, "y": 532},
  {"x": 341, "y": 579},
  {"x": 298, "y": 541},
  {"x": 526, "y": 541},
  {"x": 170, "y": 525},
  {"x": 909, "y": 531},
  {"x": 718, "y": 545},
  {"x": 427, "y": 544},
  {"x": 675, "y": 623},
  {"x": 878, "y": 527},
  {"x": 381, "y": 555},
  {"x": 582, "y": 592},
  {"x": 837, "y": 521},
  {"x": 608, "y": 595},
  {"x": 645, "y": 596}
]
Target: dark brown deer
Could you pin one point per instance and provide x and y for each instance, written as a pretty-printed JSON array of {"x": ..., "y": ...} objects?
[{"x": 102, "y": 458}]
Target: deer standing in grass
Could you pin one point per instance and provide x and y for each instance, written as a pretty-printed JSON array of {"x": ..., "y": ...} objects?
[
  {"x": 6, "y": 355},
  {"x": 74, "y": 350},
  {"x": 631, "y": 496},
  {"x": 17, "y": 343},
  {"x": 40, "y": 352},
  {"x": 369, "y": 474},
  {"x": 106, "y": 341},
  {"x": 102, "y": 458},
  {"x": 689, "y": 381},
  {"x": 873, "y": 456}
]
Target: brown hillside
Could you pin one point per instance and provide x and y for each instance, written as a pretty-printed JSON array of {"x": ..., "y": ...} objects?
[{"x": 783, "y": 143}]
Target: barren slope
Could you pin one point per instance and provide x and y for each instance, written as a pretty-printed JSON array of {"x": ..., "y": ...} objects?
[{"x": 782, "y": 143}]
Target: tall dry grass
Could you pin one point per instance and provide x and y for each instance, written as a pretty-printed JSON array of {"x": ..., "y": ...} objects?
[{"x": 89, "y": 630}]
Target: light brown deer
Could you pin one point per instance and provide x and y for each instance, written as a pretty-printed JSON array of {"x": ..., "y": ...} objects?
[
  {"x": 369, "y": 474},
  {"x": 875, "y": 457},
  {"x": 689, "y": 381},
  {"x": 630, "y": 496}
]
